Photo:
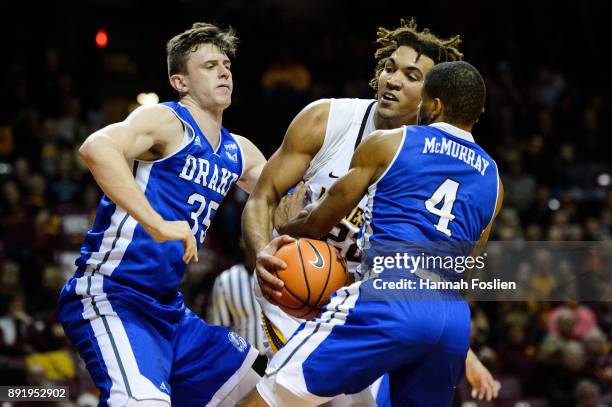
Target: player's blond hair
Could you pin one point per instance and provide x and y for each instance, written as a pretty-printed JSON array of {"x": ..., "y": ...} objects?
[
  {"x": 423, "y": 42},
  {"x": 181, "y": 45}
]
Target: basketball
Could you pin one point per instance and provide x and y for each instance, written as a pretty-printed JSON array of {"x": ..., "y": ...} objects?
[{"x": 314, "y": 271}]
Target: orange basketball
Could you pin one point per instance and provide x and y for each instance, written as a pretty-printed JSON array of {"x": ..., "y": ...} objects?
[{"x": 315, "y": 270}]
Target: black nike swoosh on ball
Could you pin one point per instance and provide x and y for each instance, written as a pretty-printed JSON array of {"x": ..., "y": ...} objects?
[
  {"x": 319, "y": 261},
  {"x": 331, "y": 175}
]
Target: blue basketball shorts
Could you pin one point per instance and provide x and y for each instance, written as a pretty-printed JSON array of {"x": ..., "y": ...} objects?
[
  {"x": 136, "y": 347},
  {"x": 419, "y": 337}
]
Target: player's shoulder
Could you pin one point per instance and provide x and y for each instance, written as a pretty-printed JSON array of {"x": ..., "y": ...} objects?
[
  {"x": 158, "y": 118},
  {"x": 244, "y": 142},
  {"x": 385, "y": 136},
  {"x": 381, "y": 144},
  {"x": 158, "y": 113},
  {"x": 239, "y": 139},
  {"x": 246, "y": 146},
  {"x": 307, "y": 130},
  {"x": 251, "y": 155},
  {"x": 317, "y": 112}
]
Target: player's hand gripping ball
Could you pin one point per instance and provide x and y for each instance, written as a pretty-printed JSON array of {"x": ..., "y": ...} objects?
[{"x": 315, "y": 270}]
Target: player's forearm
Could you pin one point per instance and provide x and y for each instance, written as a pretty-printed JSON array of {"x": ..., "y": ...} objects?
[
  {"x": 320, "y": 217},
  {"x": 257, "y": 223},
  {"x": 112, "y": 173},
  {"x": 304, "y": 224}
]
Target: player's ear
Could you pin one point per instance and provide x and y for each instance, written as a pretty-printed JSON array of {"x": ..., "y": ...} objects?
[
  {"x": 438, "y": 108},
  {"x": 178, "y": 83}
]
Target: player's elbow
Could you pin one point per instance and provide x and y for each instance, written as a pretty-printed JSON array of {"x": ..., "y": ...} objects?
[
  {"x": 86, "y": 151},
  {"x": 250, "y": 208},
  {"x": 258, "y": 201},
  {"x": 94, "y": 148},
  {"x": 261, "y": 193},
  {"x": 255, "y": 210}
]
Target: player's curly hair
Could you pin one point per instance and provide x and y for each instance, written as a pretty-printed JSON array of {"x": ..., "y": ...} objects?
[
  {"x": 423, "y": 42},
  {"x": 181, "y": 45}
]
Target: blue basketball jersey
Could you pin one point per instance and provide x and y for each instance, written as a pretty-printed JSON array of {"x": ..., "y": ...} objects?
[
  {"x": 440, "y": 187},
  {"x": 188, "y": 185}
]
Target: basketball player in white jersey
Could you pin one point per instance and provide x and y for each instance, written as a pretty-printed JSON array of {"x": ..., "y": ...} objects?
[{"x": 318, "y": 148}]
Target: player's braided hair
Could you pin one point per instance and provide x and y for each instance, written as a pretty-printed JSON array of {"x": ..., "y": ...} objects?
[
  {"x": 179, "y": 47},
  {"x": 423, "y": 42}
]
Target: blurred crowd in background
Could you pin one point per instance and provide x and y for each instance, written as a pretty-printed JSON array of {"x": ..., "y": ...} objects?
[{"x": 545, "y": 123}]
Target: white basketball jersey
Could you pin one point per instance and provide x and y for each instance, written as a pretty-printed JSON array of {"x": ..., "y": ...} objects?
[{"x": 349, "y": 121}]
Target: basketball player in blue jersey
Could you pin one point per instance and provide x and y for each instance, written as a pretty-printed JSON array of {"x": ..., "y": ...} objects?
[
  {"x": 164, "y": 171},
  {"x": 426, "y": 183},
  {"x": 318, "y": 148}
]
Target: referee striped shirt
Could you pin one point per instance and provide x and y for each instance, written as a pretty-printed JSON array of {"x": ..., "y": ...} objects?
[{"x": 234, "y": 305}]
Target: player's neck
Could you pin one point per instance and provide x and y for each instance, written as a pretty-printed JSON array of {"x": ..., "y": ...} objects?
[
  {"x": 464, "y": 127},
  {"x": 208, "y": 121},
  {"x": 387, "y": 123}
]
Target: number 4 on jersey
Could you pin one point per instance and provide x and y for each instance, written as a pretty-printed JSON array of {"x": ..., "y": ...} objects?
[{"x": 446, "y": 192}]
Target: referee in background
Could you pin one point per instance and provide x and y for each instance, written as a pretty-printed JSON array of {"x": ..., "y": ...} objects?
[{"x": 234, "y": 306}]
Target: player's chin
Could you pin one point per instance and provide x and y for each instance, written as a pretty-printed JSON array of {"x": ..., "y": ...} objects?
[
  {"x": 223, "y": 101},
  {"x": 388, "y": 110}
]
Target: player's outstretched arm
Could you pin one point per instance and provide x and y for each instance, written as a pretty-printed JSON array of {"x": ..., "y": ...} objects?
[
  {"x": 107, "y": 151},
  {"x": 368, "y": 163},
  {"x": 484, "y": 385},
  {"x": 285, "y": 168}
]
